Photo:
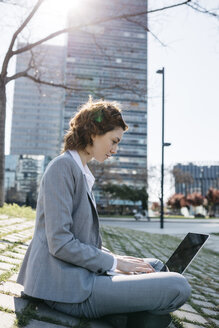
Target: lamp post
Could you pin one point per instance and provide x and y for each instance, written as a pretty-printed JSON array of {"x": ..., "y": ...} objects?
[
  {"x": 201, "y": 180},
  {"x": 164, "y": 144}
]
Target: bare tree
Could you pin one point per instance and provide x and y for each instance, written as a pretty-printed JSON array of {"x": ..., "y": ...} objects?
[{"x": 28, "y": 71}]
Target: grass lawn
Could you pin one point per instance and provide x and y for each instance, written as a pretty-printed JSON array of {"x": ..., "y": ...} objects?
[{"x": 14, "y": 210}]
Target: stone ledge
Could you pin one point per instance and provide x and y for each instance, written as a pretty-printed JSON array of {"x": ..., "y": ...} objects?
[
  {"x": 40, "y": 324},
  {"x": 12, "y": 303},
  {"x": 43, "y": 310}
]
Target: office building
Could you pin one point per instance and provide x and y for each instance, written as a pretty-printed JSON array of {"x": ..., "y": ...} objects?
[
  {"x": 109, "y": 61},
  {"x": 191, "y": 178},
  {"x": 38, "y": 108},
  {"x": 23, "y": 174}
]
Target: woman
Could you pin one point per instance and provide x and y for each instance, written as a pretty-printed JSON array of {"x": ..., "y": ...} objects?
[{"x": 65, "y": 264}]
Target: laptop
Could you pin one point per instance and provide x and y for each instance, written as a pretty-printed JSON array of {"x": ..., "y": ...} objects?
[{"x": 185, "y": 252}]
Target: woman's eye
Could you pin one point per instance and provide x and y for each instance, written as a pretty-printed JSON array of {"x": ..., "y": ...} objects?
[{"x": 114, "y": 142}]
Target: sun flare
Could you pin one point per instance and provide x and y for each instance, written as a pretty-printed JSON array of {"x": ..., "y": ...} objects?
[{"x": 64, "y": 7}]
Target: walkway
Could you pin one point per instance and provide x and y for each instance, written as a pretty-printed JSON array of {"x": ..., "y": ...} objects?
[{"x": 16, "y": 311}]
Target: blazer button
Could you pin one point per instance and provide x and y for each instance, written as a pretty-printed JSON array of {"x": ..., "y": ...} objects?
[{"x": 99, "y": 271}]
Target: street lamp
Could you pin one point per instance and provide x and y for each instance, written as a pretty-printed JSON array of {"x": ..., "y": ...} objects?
[{"x": 164, "y": 144}]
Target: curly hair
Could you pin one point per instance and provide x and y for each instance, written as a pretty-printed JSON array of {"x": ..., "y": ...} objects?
[{"x": 93, "y": 118}]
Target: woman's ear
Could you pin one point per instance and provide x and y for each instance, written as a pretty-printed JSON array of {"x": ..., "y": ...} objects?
[{"x": 93, "y": 137}]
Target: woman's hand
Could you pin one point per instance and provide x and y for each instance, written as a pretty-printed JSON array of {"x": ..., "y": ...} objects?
[{"x": 129, "y": 264}]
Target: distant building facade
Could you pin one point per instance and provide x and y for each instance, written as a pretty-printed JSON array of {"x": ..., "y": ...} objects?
[
  {"x": 109, "y": 61},
  {"x": 38, "y": 109},
  {"x": 202, "y": 177},
  {"x": 10, "y": 171},
  {"x": 23, "y": 174}
]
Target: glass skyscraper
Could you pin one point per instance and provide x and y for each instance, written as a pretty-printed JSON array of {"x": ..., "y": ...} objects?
[
  {"x": 109, "y": 60},
  {"x": 38, "y": 109}
]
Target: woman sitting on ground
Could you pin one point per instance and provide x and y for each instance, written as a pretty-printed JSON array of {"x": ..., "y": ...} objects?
[{"x": 66, "y": 264}]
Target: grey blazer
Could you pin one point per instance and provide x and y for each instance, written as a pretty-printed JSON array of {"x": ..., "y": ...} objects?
[{"x": 65, "y": 253}]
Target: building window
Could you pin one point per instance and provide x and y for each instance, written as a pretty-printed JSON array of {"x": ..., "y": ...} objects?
[
  {"x": 118, "y": 60},
  {"x": 71, "y": 60},
  {"x": 140, "y": 36}
]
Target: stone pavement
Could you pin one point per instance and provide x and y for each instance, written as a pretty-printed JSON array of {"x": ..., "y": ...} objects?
[
  {"x": 16, "y": 311},
  {"x": 173, "y": 227}
]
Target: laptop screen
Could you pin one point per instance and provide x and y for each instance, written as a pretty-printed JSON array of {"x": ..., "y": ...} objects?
[{"x": 185, "y": 252}]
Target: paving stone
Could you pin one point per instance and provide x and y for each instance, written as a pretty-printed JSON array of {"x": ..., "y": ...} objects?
[
  {"x": 189, "y": 308},
  {"x": 198, "y": 296},
  {"x": 5, "y": 243},
  {"x": 7, "y": 319},
  {"x": 203, "y": 303},
  {"x": 28, "y": 235},
  {"x": 12, "y": 238},
  {"x": 216, "y": 300},
  {"x": 3, "y": 230},
  {"x": 214, "y": 294},
  {"x": 9, "y": 259},
  {"x": 2, "y": 247},
  {"x": 208, "y": 290},
  {"x": 16, "y": 255},
  {"x": 11, "y": 287},
  {"x": 11, "y": 221},
  {"x": 6, "y": 266},
  {"x": 209, "y": 312},
  {"x": 21, "y": 251},
  {"x": 190, "y": 316},
  {"x": 21, "y": 236},
  {"x": 215, "y": 321},
  {"x": 13, "y": 277},
  {"x": 16, "y": 304},
  {"x": 24, "y": 247},
  {"x": 191, "y": 325},
  {"x": 41, "y": 324},
  {"x": 3, "y": 216},
  {"x": 45, "y": 311}
]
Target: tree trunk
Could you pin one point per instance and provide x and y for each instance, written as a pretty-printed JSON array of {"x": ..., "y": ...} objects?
[{"x": 2, "y": 138}]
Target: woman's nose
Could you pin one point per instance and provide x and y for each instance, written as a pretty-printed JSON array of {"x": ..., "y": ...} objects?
[{"x": 114, "y": 149}]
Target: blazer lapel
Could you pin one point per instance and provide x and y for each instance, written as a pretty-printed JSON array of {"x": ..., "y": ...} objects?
[{"x": 90, "y": 194}]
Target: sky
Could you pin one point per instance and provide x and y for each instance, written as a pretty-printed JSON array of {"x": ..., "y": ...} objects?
[
  {"x": 191, "y": 61},
  {"x": 190, "y": 56}
]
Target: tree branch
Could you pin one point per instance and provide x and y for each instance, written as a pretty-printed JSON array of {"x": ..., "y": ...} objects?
[
  {"x": 146, "y": 29},
  {"x": 104, "y": 20},
  {"x": 10, "y": 52},
  {"x": 17, "y": 75},
  {"x": 13, "y": 3},
  {"x": 66, "y": 87},
  {"x": 52, "y": 84},
  {"x": 202, "y": 10},
  {"x": 31, "y": 65}
]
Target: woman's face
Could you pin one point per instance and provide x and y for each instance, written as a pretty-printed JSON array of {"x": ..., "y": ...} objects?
[{"x": 106, "y": 145}]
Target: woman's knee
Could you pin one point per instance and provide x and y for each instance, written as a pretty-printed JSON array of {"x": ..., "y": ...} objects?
[{"x": 182, "y": 288}]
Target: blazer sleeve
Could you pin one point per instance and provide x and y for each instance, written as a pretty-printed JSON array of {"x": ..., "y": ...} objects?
[{"x": 58, "y": 194}]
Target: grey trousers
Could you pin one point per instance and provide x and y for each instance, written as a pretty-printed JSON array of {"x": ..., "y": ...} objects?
[{"x": 158, "y": 293}]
